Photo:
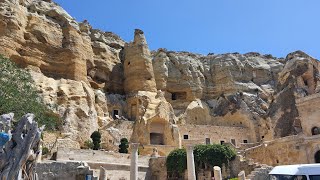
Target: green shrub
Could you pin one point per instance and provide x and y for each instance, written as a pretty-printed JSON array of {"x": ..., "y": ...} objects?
[
  {"x": 124, "y": 145},
  {"x": 96, "y": 139},
  {"x": 209, "y": 155},
  {"x": 19, "y": 95},
  {"x": 45, "y": 151},
  {"x": 88, "y": 144},
  {"x": 177, "y": 161},
  {"x": 213, "y": 154}
]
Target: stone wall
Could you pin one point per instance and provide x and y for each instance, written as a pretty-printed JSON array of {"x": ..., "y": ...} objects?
[
  {"x": 63, "y": 170},
  {"x": 65, "y": 154},
  {"x": 197, "y": 134},
  {"x": 309, "y": 113},
  {"x": 296, "y": 149},
  {"x": 158, "y": 168},
  {"x": 163, "y": 150}
]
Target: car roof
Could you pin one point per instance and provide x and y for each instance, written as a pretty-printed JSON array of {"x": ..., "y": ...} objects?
[{"x": 298, "y": 169}]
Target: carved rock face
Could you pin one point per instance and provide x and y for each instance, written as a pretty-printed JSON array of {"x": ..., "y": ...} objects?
[
  {"x": 76, "y": 67},
  {"x": 138, "y": 69}
]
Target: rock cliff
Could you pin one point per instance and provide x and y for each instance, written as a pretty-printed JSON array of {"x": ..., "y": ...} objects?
[{"x": 91, "y": 78}]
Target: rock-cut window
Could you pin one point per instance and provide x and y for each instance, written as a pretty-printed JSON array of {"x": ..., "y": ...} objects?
[
  {"x": 115, "y": 114},
  {"x": 315, "y": 131},
  {"x": 185, "y": 136}
]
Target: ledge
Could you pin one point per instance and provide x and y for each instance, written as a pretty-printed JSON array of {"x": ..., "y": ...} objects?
[{"x": 307, "y": 98}]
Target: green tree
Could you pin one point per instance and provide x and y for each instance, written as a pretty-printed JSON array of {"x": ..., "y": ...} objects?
[
  {"x": 19, "y": 95},
  {"x": 213, "y": 155},
  {"x": 177, "y": 162},
  {"x": 124, "y": 145},
  {"x": 204, "y": 156},
  {"x": 96, "y": 139}
]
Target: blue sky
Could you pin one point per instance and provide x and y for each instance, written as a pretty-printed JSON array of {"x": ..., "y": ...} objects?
[{"x": 275, "y": 27}]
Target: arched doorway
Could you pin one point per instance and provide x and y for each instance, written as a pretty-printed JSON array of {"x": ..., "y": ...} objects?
[{"x": 317, "y": 157}]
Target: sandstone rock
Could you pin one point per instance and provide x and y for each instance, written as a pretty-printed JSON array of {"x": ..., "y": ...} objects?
[
  {"x": 297, "y": 79},
  {"x": 94, "y": 80},
  {"x": 138, "y": 59},
  {"x": 74, "y": 101}
]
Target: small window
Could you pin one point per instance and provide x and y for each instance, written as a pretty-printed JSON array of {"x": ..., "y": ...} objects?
[
  {"x": 185, "y": 136},
  {"x": 207, "y": 140},
  {"x": 233, "y": 141},
  {"x": 245, "y": 141},
  {"x": 129, "y": 63},
  {"x": 174, "y": 96},
  {"x": 262, "y": 137},
  {"x": 221, "y": 142},
  {"x": 178, "y": 95}
]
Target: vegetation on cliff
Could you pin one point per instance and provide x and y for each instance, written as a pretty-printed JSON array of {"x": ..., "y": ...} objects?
[{"x": 19, "y": 95}]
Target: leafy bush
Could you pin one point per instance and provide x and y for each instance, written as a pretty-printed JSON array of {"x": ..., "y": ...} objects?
[
  {"x": 88, "y": 144},
  {"x": 19, "y": 95},
  {"x": 213, "y": 154},
  {"x": 209, "y": 155},
  {"x": 45, "y": 151},
  {"x": 96, "y": 139},
  {"x": 177, "y": 161},
  {"x": 124, "y": 144}
]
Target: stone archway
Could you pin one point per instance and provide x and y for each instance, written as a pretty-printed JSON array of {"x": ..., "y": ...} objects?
[{"x": 317, "y": 157}]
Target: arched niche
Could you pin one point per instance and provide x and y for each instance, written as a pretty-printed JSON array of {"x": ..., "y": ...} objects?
[
  {"x": 317, "y": 157},
  {"x": 157, "y": 133}
]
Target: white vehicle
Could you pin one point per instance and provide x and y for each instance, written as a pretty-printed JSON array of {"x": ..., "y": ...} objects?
[{"x": 296, "y": 172}]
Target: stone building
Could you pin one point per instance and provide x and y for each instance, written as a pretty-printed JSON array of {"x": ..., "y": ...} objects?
[{"x": 298, "y": 149}]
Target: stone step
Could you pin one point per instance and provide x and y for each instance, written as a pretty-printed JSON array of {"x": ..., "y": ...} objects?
[
  {"x": 114, "y": 166},
  {"x": 122, "y": 175}
]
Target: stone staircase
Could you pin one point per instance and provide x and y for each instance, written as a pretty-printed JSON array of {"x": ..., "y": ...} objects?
[
  {"x": 117, "y": 165},
  {"x": 260, "y": 173},
  {"x": 118, "y": 171}
]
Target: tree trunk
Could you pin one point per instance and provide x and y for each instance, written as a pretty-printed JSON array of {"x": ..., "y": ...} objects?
[{"x": 19, "y": 155}]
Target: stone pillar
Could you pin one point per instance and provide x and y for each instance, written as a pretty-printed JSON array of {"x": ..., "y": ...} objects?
[
  {"x": 242, "y": 175},
  {"x": 190, "y": 163},
  {"x": 134, "y": 161},
  {"x": 217, "y": 173},
  {"x": 39, "y": 156},
  {"x": 103, "y": 173}
]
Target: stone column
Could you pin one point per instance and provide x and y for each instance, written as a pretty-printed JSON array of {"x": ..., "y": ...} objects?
[
  {"x": 134, "y": 161},
  {"x": 190, "y": 163},
  {"x": 242, "y": 175},
  {"x": 103, "y": 173},
  {"x": 39, "y": 156},
  {"x": 217, "y": 173}
]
